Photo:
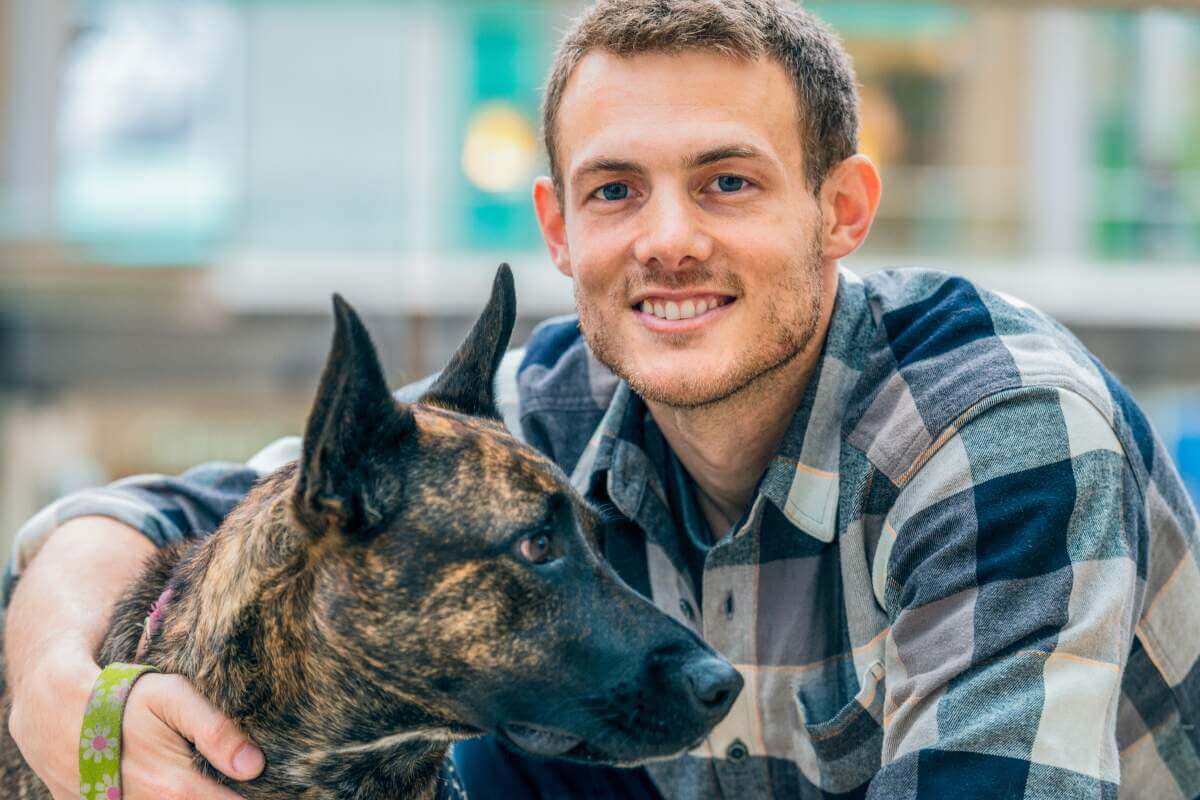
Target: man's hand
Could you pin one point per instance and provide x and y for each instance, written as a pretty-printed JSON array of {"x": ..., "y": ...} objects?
[{"x": 57, "y": 617}]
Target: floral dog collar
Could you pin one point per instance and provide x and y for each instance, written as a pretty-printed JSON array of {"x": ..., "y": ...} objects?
[{"x": 100, "y": 739}]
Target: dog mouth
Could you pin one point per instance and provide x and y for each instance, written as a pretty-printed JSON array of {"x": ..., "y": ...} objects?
[{"x": 540, "y": 740}]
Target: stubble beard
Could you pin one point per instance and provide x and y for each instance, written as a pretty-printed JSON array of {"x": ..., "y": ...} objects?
[{"x": 790, "y": 321}]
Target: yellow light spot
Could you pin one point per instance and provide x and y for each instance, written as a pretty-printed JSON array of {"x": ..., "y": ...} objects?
[{"x": 500, "y": 151}]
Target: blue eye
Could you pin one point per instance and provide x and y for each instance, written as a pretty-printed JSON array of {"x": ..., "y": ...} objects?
[
  {"x": 614, "y": 191},
  {"x": 730, "y": 183}
]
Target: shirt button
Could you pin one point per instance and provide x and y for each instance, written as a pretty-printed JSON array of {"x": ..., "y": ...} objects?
[
  {"x": 686, "y": 608},
  {"x": 737, "y": 751}
]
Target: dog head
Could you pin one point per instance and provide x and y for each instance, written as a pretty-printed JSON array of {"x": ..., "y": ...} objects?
[{"x": 458, "y": 571}]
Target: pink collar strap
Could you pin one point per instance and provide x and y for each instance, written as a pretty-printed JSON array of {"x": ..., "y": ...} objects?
[{"x": 153, "y": 622}]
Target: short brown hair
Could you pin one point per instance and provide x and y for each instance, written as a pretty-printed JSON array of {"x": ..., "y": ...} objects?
[{"x": 810, "y": 53}]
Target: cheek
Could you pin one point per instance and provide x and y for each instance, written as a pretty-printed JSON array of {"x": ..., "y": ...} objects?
[
  {"x": 757, "y": 246},
  {"x": 597, "y": 257},
  {"x": 771, "y": 267},
  {"x": 489, "y": 621}
]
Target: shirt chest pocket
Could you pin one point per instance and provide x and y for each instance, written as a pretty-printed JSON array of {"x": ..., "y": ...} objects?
[{"x": 842, "y": 752}]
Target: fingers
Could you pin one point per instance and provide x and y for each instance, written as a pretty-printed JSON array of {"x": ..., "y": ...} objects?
[
  {"x": 173, "y": 701},
  {"x": 167, "y": 784},
  {"x": 157, "y": 761}
]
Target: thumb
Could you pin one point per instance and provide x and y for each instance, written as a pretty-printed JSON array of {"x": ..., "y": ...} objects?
[{"x": 215, "y": 735}]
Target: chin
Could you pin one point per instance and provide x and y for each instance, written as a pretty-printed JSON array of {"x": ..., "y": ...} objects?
[
  {"x": 679, "y": 388},
  {"x": 688, "y": 371}
]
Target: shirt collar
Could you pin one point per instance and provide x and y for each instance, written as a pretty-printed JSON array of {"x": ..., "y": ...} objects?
[
  {"x": 597, "y": 455},
  {"x": 802, "y": 478}
]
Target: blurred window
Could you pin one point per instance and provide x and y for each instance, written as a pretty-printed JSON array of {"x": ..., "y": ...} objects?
[
  {"x": 1146, "y": 129},
  {"x": 500, "y": 151},
  {"x": 149, "y": 129}
]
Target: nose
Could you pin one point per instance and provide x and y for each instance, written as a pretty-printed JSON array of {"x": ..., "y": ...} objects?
[
  {"x": 713, "y": 684},
  {"x": 672, "y": 237}
]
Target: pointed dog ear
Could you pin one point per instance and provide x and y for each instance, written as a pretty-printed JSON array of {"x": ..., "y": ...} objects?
[
  {"x": 354, "y": 427},
  {"x": 466, "y": 383}
]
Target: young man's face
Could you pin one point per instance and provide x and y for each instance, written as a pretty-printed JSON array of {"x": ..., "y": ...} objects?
[{"x": 692, "y": 236}]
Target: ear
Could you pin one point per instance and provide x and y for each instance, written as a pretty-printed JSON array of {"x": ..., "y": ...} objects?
[
  {"x": 354, "y": 427},
  {"x": 553, "y": 223},
  {"x": 849, "y": 198},
  {"x": 465, "y": 384}
]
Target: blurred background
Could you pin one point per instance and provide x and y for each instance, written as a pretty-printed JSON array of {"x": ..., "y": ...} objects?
[{"x": 184, "y": 182}]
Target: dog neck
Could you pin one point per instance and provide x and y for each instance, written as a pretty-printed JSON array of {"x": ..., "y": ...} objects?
[
  {"x": 234, "y": 616},
  {"x": 401, "y": 765}
]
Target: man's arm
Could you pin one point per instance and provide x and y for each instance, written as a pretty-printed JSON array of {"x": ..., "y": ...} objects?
[
  {"x": 1008, "y": 570},
  {"x": 163, "y": 509},
  {"x": 58, "y": 615},
  {"x": 89, "y": 547}
]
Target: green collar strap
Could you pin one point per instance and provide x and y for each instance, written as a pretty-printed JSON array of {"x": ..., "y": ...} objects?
[{"x": 100, "y": 739}]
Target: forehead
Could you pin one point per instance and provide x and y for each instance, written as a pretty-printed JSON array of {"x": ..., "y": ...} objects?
[
  {"x": 665, "y": 105},
  {"x": 501, "y": 461}
]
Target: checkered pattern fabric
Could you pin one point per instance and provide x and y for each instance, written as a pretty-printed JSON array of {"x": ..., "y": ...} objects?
[{"x": 969, "y": 571}]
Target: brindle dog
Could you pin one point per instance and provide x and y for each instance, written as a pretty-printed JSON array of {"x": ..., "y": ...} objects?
[{"x": 417, "y": 577}]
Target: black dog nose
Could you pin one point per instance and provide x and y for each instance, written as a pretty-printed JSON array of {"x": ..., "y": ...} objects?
[{"x": 714, "y": 684}]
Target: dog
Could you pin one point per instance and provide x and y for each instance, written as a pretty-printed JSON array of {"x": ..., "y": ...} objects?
[{"x": 416, "y": 577}]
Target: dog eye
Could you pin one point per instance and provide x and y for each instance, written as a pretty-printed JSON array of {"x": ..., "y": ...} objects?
[{"x": 536, "y": 548}]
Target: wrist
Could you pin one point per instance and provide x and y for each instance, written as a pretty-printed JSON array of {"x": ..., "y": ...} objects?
[
  {"x": 63, "y": 666},
  {"x": 49, "y": 704}
]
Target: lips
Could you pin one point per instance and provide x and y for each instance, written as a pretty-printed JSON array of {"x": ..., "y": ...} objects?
[{"x": 540, "y": 740}]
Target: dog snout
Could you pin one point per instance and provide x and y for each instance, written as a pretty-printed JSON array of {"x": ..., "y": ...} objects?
[{"x": 711, "y": 684}]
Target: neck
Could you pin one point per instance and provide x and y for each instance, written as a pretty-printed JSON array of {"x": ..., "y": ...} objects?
[
  {"x": 403, "y": 765},
  {"x": 726, "y": 446},
  {"x": 239, "y": 627}
]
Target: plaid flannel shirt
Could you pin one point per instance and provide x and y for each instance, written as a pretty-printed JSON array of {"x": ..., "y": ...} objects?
[{"x": 970, "y": 569}]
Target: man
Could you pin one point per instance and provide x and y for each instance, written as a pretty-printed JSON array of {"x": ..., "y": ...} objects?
[{"x": 939, "y": 540}]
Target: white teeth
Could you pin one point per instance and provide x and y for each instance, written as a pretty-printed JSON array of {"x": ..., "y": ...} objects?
[{"x": 686, "y": 309}]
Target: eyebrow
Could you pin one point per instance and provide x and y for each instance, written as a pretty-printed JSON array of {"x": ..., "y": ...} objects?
[
  {"x": 602, "y": 164},
  {"x": 721, "y": 154},
  {"x": 703, "y": 158}
]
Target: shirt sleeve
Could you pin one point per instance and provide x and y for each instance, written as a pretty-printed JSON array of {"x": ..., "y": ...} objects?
[
  {"x": 165, "y": 509},
  {"x": 1009, "y": 574}
]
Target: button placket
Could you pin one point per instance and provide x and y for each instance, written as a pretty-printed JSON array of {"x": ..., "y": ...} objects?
[
  {"x": 737, "y": 773},
  {"x": 687, "y": 603},
  {"x": 685, "y": 608},
  {"x": 720, "y": 622}
]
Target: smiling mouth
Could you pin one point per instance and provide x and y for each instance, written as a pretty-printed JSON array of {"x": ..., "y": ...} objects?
[
  {"x": 689, "y": 308},
  {"x": 539, "y": 740}
]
